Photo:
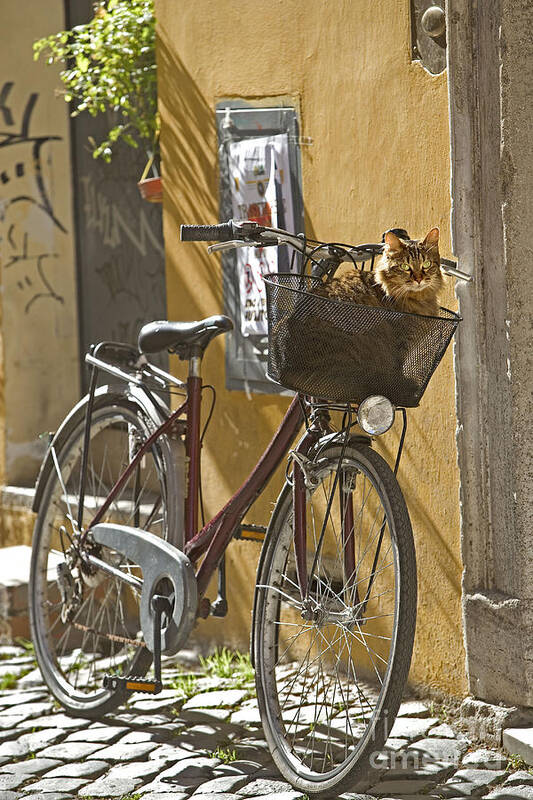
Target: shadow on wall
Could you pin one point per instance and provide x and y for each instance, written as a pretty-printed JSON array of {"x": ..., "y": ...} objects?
[
  {"x": 188, "y": 138},
  {"x": 188, "y": 141},
  {"x": 240, "y": 429},
  {"x": 189, "y": 149}
]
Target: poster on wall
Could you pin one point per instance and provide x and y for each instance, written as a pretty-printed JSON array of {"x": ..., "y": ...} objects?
[{"x": 260, "y": 191}]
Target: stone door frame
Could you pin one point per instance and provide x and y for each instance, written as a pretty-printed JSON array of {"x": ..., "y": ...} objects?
[{"x": 490, "y": 66}]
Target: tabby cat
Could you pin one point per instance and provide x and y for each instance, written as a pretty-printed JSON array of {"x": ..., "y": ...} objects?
[{"x": 407, "y": 278}]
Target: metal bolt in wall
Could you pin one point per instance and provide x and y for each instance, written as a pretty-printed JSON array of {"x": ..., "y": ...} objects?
[{"x": 428, "y": 34}]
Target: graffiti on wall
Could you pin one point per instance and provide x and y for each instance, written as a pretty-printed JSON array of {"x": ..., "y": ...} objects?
[
  {"x": 28, "y": 221},
  {"x": 125, "y": 280},
  {"x": 103, "y": 215}
]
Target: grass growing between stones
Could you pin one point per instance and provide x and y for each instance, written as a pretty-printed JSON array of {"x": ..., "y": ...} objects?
[
  {"x": 10, "y": 679},
  {"x": 185, "y": 685},
  {"x": 439, "y": 710},
  {"x": 225, "y": 754},
  {"x": 516, "y": 762},
  {"x": 229, "y": 664},
  {"x": 8, "y": 656},
  {"x": 129, "y": 796},
  {"x": 27, "y": 645}
]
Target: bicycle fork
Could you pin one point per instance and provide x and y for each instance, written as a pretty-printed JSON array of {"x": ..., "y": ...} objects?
[{"x": 304, "y": 482}]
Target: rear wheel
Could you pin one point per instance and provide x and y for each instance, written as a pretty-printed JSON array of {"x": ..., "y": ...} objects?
[
  {"x": 85, "y": 622},
  {"x": 331, "y": 668}
]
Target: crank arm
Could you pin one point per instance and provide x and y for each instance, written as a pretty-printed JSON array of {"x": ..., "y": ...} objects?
[{"x": 160, "y": 605}]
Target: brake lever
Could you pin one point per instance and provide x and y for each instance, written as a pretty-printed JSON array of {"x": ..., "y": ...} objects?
[
  {"x": 235, "y": 243},
  {"x": 231, "y": 245}
]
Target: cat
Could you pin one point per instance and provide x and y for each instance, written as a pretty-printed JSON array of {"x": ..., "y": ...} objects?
[
  {"x": 317, "y": 355},
  {"x": 407, "y": 278}
]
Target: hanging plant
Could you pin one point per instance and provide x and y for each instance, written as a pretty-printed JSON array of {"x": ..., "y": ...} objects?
[
  {"x": 109, "y": 65},
  {"x": 151, "y": 189}
]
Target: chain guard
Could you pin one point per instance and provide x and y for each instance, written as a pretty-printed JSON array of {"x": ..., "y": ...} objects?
[{"x": 158, "y": 560}]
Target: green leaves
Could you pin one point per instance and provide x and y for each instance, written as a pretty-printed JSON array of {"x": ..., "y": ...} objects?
[
  {"x": 109, "y": 65},
  {"x": 226, "y": 663},
  {"x": 82, "y": 63}
]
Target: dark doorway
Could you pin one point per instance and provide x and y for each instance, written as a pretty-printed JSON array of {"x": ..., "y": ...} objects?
[{"x": 120, "y": 252}]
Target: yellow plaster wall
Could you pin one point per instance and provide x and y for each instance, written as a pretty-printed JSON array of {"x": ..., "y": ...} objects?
[
  {"x": 40, "y": 361},
  {"x": 380, "y": 158},
  {"x": 16, "y": 525}
]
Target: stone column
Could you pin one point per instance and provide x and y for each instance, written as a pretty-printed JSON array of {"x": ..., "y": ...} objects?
[{"x": 490, "y": 62}]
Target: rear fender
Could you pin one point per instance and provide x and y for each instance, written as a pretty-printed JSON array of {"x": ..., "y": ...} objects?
[
  {"x": 172, "y": 449},
  {"x": 60, "y": 436}
]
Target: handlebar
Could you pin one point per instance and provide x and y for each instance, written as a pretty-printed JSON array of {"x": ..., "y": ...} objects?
[
  {"x": 245, "y": 233},
  {"x": 207, "y": 233},
  {"x": 225, "y": 232}
]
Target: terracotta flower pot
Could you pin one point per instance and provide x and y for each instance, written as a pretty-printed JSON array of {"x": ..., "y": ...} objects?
[{"x": 151, "y": 189}]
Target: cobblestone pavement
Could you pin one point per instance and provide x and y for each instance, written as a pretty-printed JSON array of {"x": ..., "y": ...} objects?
[{"x": 203, "y": 740}]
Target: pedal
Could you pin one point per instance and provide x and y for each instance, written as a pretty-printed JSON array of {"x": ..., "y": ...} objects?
[
  {"x": 114, "y": 682},
  {"x": 160, "y": 605}
]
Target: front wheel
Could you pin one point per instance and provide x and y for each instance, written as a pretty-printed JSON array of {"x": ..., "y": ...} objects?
[
  {"x": 85, "y": 621},
  {"x": 331, "y": 667}
]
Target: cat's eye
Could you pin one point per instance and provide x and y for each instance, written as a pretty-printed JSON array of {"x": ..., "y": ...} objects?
[
  {"x": 405, "y": 266},
  {"x": 426, "y": 264}
]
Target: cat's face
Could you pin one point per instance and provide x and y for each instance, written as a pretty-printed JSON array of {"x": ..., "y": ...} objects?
[{"x": 410, "y": 267}]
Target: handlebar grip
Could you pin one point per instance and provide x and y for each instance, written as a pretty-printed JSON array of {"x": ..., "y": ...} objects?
[{"x": 207, "y": 233}]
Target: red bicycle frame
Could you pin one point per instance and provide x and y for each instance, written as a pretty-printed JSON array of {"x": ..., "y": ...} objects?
[{"x": 213, "y": 539}]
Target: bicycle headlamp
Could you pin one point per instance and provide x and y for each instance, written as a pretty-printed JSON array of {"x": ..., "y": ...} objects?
[{"x": 375, "y": 414}]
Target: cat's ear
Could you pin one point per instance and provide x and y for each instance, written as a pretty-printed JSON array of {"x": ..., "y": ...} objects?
[
  {"x": 432, "y": 239},
  {"x": 394, "y": 242}
]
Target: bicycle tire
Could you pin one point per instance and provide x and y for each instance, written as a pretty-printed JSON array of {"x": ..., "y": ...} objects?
[
  {"x": 74, "y": 653},
  {"x": 318, "y": 745}
]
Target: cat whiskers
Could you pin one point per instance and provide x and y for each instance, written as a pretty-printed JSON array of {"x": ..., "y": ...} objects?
[{"x": 399, "y": 292}]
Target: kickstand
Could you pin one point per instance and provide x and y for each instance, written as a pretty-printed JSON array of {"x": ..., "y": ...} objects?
[{"x": 219, "y": 608}]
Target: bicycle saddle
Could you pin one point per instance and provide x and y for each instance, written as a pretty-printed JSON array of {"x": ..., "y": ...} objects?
[{"x": 181, "y": 337}]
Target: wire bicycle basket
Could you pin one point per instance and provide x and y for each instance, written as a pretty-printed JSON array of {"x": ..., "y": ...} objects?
[{"x": 344, "y": 352}]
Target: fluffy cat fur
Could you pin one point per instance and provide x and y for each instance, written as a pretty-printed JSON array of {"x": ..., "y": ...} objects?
[{"x": 407, "y": 278}]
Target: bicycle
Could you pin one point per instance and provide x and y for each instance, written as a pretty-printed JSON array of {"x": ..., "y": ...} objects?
[{"x": 120, "y": 565}]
